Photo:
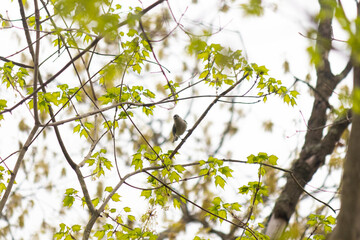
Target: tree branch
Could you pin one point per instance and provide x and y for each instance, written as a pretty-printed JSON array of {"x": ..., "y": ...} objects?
[
  {"x": 16, "y": 167},
  {"x": 16, "y": 63},
  {"x": 57, "y": 132},
  {"x": 53, "y": 77},
  {"x": 344, "y": 72},
  {"x": 241, "y": 225},
  {"x": 36, "y": 61}
]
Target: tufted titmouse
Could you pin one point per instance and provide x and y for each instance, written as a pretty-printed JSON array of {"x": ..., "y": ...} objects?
[{"x": 179, "y": 127}]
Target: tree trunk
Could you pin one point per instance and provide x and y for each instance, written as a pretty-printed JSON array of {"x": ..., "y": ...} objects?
[
  {"x": 348, "y": 226},
  {"x": 316, "y": 146},
  {"x": 348, "y": 222}
]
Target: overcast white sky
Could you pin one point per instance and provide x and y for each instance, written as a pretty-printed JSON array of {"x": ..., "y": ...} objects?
[{"x": 268, "y": 40}]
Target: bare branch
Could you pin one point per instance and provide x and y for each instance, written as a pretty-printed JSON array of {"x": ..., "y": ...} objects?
[
  {"x": 16, "y": 167},
  {"x": 344, "y": 72},
  {"x": 36, "y": 62},
  {"x": 16, "y": 63}
]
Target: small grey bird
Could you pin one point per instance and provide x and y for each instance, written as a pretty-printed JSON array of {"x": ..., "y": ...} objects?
[{"x": 179, "y": 127}]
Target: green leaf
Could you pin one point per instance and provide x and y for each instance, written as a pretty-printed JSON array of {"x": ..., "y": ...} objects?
[
  {"x": 2, "y": 187},
  {"x": 219, "y": 181},
  {"x": 52, "y": 97},
  {"x": 244, "y": 190},
  {"x": 226, "y": 171},
  {"x": 59, "y": 235},
  {"x": 223, "y": 214},
  {"x": 107, "y": 163},
  {"x": 87, "y": 38},
  {"x": 331, "y": 220},
  {"x": 76, "y": 228},
  {"x": 261, "y": 225},
  {"x": 108, "y": 227},
  {"x": 179, "y": 168},
  {"x": 204, "y": 56},
  {"x": 132, "y": 32},
  {"x": 71, "y": 191},
  {"x": 157, "y": 149},
  {"x": 148, "y": 110},
  {"x": 150, "y": 156},
  {"x": 137, "y": 161},
  {"x": 228, "y": 81},
  {"x": 90, "y": 161},
  {"x": 196, "y": 45},
  {"x": 149, "y": 94},
  {"x": 311, "y": 222},
  {"x": 327, "y": 229},
  {"x": 292, "y": 102},
  {"x": 262, "y": 171},
  {"x": 176, "y": 203},
  {"x": 262, "y": 70},
  {"x": 62, "y": 227},
  {"x": 77, "y": 128},
  {"x": 254, "y": 7},
  {"x": 203, "y": 171},
  {"x": 99, "y": 234},
  {"x": 95, "y": 202},
  {"x": 273, "y": 159},
  {"x": 264, "y": 99},
  {"x": 88, "y": 125},
  {"x": 127, "y": 209},
  {"x": 83, "y": 133},
  {"x": 263, "y": 155},
  {"x": 226, "y": 205},
  {"x": 204, "y": 74},
  {"x": 294, "y": 93},
  {"x": 3, "y": 104},
  {"x": 174, "y": 176},
  {"x": 68, "y": 201},
  {"x": 235, "y": 206},
  {"x": 115, "y": 197},
  {"x": 202, "y": 162},
  {"x": 250, "y": 159},
  {"x": 69, "y": 237},
  {"x": 286, "y": 98},
  {"x": 146, "y": 193},
  {"x": 217, "y": 201}
]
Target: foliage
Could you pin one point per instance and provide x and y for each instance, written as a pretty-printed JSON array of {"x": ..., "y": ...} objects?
[
  {"x": 317, "y": 221},
  {"x": 106, "y": 143}
]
